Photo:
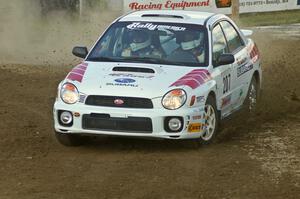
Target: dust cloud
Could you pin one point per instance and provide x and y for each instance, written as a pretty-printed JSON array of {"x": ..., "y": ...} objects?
[{"x": 29, "y": 36}]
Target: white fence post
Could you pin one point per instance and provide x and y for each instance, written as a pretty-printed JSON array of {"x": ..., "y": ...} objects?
[
  {"x": 82, "y": 7},
  {"x": 235, "y": 9}
]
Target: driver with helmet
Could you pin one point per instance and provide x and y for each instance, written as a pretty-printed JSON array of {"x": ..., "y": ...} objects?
[
  {"x": 141, "y": 45},
  {"x": 191, "y": 47}
]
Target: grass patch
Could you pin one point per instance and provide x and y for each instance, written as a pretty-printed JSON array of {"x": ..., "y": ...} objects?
[{"x": 269, "y": 18}]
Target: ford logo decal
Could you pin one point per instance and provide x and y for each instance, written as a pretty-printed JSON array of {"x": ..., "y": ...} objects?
[
  {"x": 118, "y": 102},
  {"x": 125, "y": 80}
]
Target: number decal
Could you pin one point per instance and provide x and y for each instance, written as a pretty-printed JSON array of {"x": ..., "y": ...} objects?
[{"x": 226, "y": 83}]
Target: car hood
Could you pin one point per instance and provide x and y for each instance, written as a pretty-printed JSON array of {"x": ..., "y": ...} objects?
[{"x": 134, "y": 79}]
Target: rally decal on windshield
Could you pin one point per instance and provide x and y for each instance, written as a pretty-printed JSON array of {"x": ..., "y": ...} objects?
[
  {"x": 78, "y": 72},
  {"x": 193, "y": 79},
  {"x": 151, "y": 26}
]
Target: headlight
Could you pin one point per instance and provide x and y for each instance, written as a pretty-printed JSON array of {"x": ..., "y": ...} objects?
[
  {"x": 69, "y": 93},
  {"x": 174, "y": 99}
]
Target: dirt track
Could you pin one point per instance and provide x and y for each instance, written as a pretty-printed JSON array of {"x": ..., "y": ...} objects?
[{"x": 253, "y": 158}]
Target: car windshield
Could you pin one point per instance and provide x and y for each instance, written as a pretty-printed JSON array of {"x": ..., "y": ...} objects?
[{"x": 153, "y": 42}]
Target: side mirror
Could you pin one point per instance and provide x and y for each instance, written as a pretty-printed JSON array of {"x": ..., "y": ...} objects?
[
  {"x": 225, "y": 59},
  {"x": 80, "y": 51}
]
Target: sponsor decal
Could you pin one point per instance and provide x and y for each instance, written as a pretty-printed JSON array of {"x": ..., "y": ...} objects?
[
  {"x": 263, "y": 3},
  {"x": 118, "y": 102},
  {"x": 197, "y": 110},
  {"x": 169, "y": 4},
  {"x": 240, "y": 98},
  {"x": 243, "y": 69},
  {"x": 125, "y": 80},
  {"x": 197, "y": 117},
  {"x": 82, "y": 98},
  {"x": 226, "y": 101},
  {"x": 241, "y": 61},
  {"x": 78, "y": 72},
  {"x": 120, "y": 84},
  {"x": 195, "y": 128},
  {"x": 193, "y": 79},
  {"x": 151, "y": 26},
  {"x": 130, "y": 75},
  {"x": 200, "y": 99}
]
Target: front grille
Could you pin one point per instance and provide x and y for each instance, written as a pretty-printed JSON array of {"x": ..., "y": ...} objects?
[
  {"x": 128, "y": 102},
  {"x": 106, "y": 123}
]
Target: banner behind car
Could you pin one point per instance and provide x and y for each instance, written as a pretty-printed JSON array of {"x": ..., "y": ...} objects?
[{"x": 219, "y": 6}]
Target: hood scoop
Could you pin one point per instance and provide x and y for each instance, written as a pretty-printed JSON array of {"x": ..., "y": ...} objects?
[{"x": 133, "y": 69}]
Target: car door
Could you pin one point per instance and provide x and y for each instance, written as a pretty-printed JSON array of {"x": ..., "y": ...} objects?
[
  {"x": 222, "y": 73},
  {"x": 238, "y": 48}
]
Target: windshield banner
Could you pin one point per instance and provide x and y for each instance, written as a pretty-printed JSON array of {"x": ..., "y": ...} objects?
[{"x": 219, "y": 6}]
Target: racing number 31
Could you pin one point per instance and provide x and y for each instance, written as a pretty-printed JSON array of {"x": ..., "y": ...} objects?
[{"x": 226, "y": 83}]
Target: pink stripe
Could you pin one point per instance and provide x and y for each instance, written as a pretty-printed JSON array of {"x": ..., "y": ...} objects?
[
  {"x": 81, "y": 67},
  {"x": 196, "y": 77},
  {"x": 254, "y": 59},
  {"x": 204, "y": 75},
  {"x": 200, "y": 70},
  {"x": 191, "y": 83},
  {"x": 78, "y": 72},
  {"x": 75, "y": 70},
  {"x": 193, "y": 79},
  {"x": 84, "y": 64},
  {"x": 75, "y": 77}
]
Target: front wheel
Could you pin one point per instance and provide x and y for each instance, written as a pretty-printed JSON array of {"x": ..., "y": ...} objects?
[
  {"x": 211, "y": 121},
  {"x": 68, "y": 139}
]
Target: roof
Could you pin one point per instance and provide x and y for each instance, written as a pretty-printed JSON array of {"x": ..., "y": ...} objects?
[{"x": 172, "y": 16}]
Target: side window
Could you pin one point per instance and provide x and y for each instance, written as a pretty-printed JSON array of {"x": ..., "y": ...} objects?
[
  {"x": 103, "y": 47},
  {"x": 219, "y": 46},
  {"x": 233, "y": 38}
]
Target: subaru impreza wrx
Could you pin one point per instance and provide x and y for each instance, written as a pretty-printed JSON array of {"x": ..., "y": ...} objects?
[{"x": 160, "y": 74}]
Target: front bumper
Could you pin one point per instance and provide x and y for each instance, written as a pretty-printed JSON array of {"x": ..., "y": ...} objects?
[{"x": 193, "y": 120}]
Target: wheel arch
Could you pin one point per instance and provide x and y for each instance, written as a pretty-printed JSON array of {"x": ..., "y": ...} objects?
[
  {"x": 256, "y": 75},
  {"x": 213, "y": 95}
]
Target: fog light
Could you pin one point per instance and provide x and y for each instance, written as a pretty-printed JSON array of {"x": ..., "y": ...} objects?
[
  {"x": 66, "y": 117},
  {"x": 174, "y": 124}
]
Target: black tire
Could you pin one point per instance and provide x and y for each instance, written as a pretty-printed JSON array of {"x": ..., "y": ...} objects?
[
  {"x": 68, "y": 139},
  {"x": 252, "y": 98},
  {"x": 211, "y": 127}
]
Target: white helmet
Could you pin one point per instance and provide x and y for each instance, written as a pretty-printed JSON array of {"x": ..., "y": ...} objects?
[
  {"x": 139, "y": 39},
  {"x": 190, "y": 40}
]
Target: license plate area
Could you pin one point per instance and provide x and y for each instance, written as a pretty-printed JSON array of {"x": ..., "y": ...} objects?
[{"x": 104, "y": 122}]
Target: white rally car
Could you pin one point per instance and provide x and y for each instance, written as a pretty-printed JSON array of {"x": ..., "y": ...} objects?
[{"x": 159, "y": 74}]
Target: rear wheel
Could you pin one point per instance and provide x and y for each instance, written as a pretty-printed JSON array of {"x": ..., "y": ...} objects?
[
  {"x": 211, "y": 121},
  {"x": 69, "y": 139}
]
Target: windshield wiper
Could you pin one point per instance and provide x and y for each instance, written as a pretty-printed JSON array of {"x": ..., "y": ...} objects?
[
  {"x": 140, "y": 59},
  {"x": 149, "y": 60},
  {"x": 108, "y": 59}
]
